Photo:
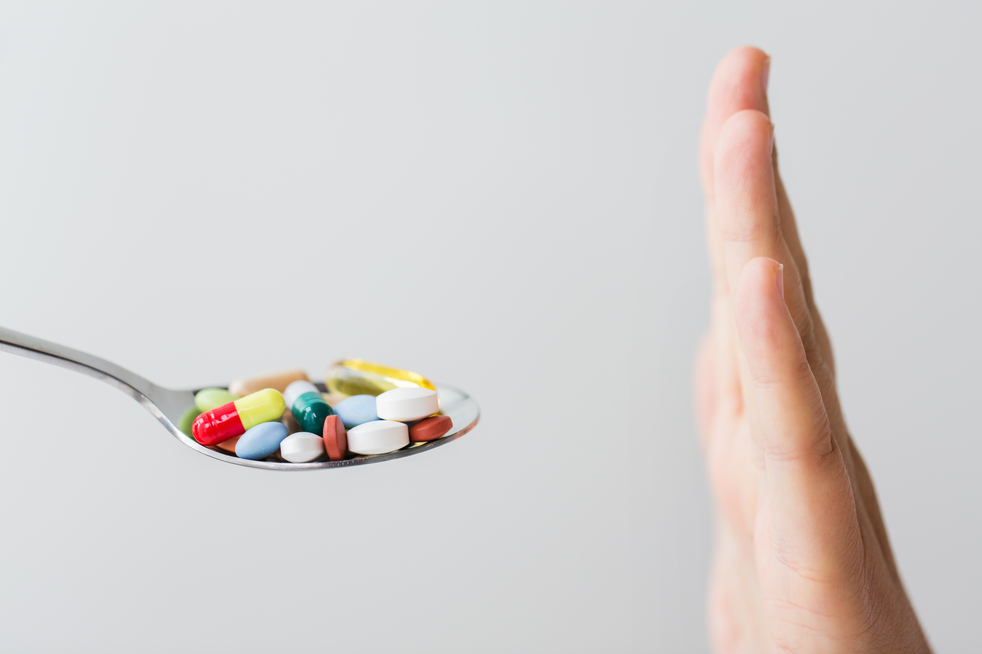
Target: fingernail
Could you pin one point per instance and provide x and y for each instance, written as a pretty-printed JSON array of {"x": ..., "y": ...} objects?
[
  {"x": 765, "y": 73},
  {"x": 779, "y": 274}
]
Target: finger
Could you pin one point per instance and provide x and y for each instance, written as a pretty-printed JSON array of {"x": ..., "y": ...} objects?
[
  {"x": 739, "y": 83},
  {"x": 814, "y": 523},
  {"x": 745, "y": 196},
  {"x": 817, "y": 343},
  {"x": 746, "y": 209},
  {"x": 749, "y": 219},
  {"x": 789, "y": 228}
]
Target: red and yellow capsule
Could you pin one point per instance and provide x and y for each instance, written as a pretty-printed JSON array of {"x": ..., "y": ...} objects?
[{"x": 233, "y": 419}]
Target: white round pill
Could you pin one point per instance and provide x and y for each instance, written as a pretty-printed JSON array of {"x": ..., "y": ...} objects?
[
  {"x": 301, "y": 447},
  {"x": 378, "y": 437},
  {"x": 407, "y": 404}
]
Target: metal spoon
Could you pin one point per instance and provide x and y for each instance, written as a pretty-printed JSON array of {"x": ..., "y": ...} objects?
[{"x": 168, "y": 405}]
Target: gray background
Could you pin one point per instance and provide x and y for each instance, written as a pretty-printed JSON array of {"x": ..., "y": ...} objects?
[{"x": 505, "y": 198}]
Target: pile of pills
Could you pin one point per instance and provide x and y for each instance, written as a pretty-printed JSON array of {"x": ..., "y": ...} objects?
[{"x": 369, "y": 410}]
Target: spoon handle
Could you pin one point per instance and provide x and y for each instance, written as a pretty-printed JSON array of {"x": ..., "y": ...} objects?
[{"x": 143, "y": 391}]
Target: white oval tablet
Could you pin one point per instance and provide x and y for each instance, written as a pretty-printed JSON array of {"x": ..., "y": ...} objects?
[
  {"x": 407, "y": 404},
  {"x": 378, "y": 437},
  {"x": 301, "y": 447}
]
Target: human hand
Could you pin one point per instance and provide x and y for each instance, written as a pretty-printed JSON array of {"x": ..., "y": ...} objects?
[{"x": 802, "y": 560}]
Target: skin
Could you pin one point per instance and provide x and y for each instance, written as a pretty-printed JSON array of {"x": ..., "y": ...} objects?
[{"x": 802, "y": 560}]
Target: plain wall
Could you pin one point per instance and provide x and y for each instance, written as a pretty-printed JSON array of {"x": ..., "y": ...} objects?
[{"x": 504, "y": 197}]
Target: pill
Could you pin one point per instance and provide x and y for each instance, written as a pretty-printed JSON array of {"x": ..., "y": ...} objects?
[
  {"x": 430, "y": 429},
  {"x": 333, "y": 398},
  {"x": 378, "y": 437},
  {"x": 275, "y": 380},
  {"x": 184, "y": 424},
  {"x": 335, "y": 438},
  {"x": 406, "y": 404},
  {"x": 357, "y": 377},
  {"x": 292, "y": 426},
  {"x": 261, "y": 441},
  {"x": 235, "y": 418},
  {"x": 229, "y": 445},
  {"x": 308, "y": 407},
  {"x": 356, "y": 409},
  {"x": 301, "y": 447},
  {"x": 209, "y": 399}
]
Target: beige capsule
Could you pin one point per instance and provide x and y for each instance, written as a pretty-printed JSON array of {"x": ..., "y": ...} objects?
[
  {"x": 292, "y": 426},
  {"x": 278, "y": 380},
  {"x": 333, "y": 398}
]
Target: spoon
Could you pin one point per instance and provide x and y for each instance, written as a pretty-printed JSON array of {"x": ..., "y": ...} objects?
[{"x": 169, "y": 405}]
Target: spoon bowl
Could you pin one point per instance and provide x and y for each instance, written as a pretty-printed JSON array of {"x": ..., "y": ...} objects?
[{"x": 168, "y": 405}]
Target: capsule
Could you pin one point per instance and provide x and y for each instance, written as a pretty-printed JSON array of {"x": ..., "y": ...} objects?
[
  {"x": 187, "y": 420},
  {"x": 208, "y": 399},
  {"x": 308, "y": 407},
  {"x": 233, "y": 419},
  {"x": 277, "y": 380},
  {"x": 357, "y": 377}
]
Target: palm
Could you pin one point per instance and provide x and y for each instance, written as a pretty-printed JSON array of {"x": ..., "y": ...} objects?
[{"x": 802, "y": 560}]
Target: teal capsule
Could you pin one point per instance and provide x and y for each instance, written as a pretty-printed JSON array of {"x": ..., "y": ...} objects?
[{"x": 307, "y": 405}]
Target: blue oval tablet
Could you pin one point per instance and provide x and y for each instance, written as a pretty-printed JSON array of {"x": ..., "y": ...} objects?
[
  {"x": 356, "y": 410},
  {"x": 261, "y": 441}
]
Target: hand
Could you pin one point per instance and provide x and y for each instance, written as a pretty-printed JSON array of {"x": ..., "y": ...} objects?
[{"x": 802, "y": 561}]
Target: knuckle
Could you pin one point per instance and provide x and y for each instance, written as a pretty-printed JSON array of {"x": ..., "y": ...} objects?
[
  {"x": 811, "y": 444},
  {"x": 767, "y": 378}
]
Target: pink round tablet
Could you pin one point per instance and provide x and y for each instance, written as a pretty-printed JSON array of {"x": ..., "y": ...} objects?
[
  {"x": 430, "y": 429},
  {"x": 335, "y": 438}
]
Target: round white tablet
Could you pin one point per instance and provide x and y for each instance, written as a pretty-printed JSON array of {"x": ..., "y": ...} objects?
[
  {"x": 301, "y": 447},
  {"x": 378, "y": 437},
  {"x": 407, "y": 404}
]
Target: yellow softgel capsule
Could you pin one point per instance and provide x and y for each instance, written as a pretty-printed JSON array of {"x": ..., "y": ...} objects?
[{"x": 357, "y": 377}]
